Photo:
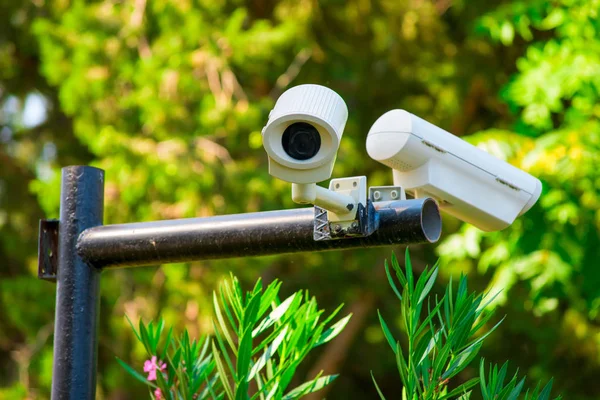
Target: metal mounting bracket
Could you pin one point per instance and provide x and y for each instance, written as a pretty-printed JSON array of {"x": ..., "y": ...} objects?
[
  {"x": 356, "y": 187},
  {"x": 48, "y": 250},
  {"x": 364, "y": 224},
  {"x": 386, "y": 193}
]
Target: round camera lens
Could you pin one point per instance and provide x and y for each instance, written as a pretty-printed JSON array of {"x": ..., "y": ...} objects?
[{"x": 301, "y": 141}]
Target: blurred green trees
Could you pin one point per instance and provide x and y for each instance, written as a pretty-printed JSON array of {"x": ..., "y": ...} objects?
[{"x": 169, "y": 98}]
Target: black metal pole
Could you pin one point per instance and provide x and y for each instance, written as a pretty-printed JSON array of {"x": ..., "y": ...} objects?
[
  {"x": 77, "y": 292},
  {"x": 252, "y": 234}
]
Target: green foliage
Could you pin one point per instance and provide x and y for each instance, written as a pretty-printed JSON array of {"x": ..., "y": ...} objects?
[
  {"x": 188, "y": 371},
  {"x": 494, "y": 388},
  {"x": 269, "y": 339},
  {"x": 442, "y": 340},
  {"x": 169, "y": 97},
  {"x": 258, "y": 340},
  {"x": 554, "y": 94}
]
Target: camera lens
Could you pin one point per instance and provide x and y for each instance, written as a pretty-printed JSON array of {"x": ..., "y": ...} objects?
[{"x": 301, "y": 141}]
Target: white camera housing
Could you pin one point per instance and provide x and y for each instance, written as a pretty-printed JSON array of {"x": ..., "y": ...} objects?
[
  {"x": 468, "y": 183},
  {"x": 317, "y": 106}
]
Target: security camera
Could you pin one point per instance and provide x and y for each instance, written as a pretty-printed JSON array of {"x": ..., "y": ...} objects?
[
  {"x": 301, "y": 138},
  {"x": 303, "y": 133},
  {"x": 468, "y": 183}
]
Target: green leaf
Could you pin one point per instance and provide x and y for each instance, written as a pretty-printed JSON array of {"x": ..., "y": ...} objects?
[
  {"x": 333, "y": 331},
  {"x": 381, "y": 396},
  {"x": 310, "y": 387},
  {"x": 391, "y": 281},
  {"x": 144, "y": 338},
  {"x": 428, "y": 286},
  {"x": 462, "y": 389},
  {"x": 243, "y": 362},
  {"x": 409, "y": 271},
  {"x": 274, "y": 316},
  {"x": 135, "y": 374},
  {"x": 224, "y": 330},
  {"x": 386, "y": 332},
  {"x": 221, "y": 370},
  {"x": 266, "y": 356}
]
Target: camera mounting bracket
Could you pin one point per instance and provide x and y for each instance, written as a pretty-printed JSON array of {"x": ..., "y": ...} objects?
[
  {"x": 361, "y": 219},
  {"x": 386, "y": 193}
]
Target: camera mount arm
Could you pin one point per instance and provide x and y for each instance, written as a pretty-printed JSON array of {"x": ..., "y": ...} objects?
[{"x": 341, "y": 200}]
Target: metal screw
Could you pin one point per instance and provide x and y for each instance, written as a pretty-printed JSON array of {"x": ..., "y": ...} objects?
[
  {"x": 354, "y": 224},
  {"x": 337, "y": 228},
  {"x": 377, "y": 195},
  {"x": 394, "y": 194}
]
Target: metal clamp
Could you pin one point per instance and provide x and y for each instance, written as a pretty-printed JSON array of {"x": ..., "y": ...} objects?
[
  {"x": 48, "y": 250},
  {"x": 365, "y": 223}
]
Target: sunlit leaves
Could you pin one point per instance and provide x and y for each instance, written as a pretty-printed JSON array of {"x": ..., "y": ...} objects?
[
  {"x": 443, "y": 340},
  {"x": 269, "y": 338},
  {"x": 258, "y": 340},
  {"x": 440, "y": 344}
]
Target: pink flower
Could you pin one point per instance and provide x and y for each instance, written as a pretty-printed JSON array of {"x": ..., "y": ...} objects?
[
  {"x": 150, "y": 366},
  {"x": 158, "y": 394}
]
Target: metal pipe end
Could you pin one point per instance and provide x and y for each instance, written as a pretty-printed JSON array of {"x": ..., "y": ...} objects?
[{"x": 431, "y": 220}]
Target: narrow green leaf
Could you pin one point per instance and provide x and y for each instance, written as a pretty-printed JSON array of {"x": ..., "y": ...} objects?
[
  {"x": 309, "y": 387},
  {"x": 243, "y": 360},
  {"x": 381, "y": 396},
  {"x": 409, "y": 271},
  {"x": 333, "y": 331},
  {"x": 462, "y": 389},
  {"x": 274, "y": 316},
  {"x": 144, "y": 338},
  {"x": 135, "y": 374},
  {"x": 266, "y": 356},
  {"x": 224, "y": 350},
  {"x": 221, "y": 370},
  {"x": 428, "y": 286},
  {"x": 545, "y": 395},
  {"x": 163, "y": 353},
  {"x": 133, "y": 328},
  {"x": 224, "y": 330},
  {"x": 386, "y": 332},
  {"x": 391, "y": 281}
]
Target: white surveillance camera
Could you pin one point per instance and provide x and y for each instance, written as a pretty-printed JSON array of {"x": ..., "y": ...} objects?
[
  {"x": 303, "y": 133},
  {"x": 468, "y": 183},
  {"x": 301, "y": 138}
]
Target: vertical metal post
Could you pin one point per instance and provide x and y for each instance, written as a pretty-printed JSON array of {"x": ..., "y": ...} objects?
[{"x": 77, "y": 292}]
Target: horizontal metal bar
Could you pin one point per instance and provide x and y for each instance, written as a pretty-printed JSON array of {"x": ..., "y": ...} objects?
[{"x": 251, "y": 234}]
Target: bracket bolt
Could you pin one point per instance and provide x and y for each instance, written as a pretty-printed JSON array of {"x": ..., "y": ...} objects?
[
  {"x": 337, "y": 228},
  {"x": 354, "y": 224}
]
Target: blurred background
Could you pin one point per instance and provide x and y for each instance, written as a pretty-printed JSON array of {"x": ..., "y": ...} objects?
[{"x": 169, "y": 97}]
